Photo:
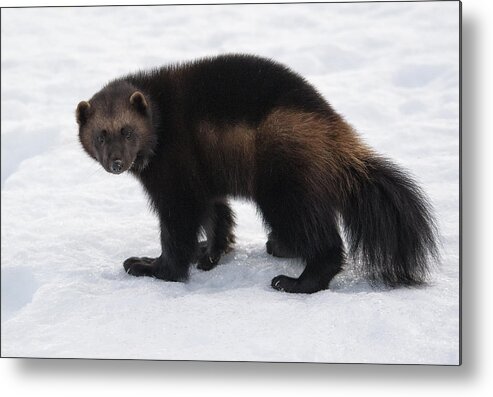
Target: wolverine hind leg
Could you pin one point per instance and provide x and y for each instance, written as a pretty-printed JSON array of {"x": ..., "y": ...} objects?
[
  {"x": 318, "y": 273},
  {"x": 294, "y": 189},
  {"x": 276, "y": 248},
  {"x": 315, "y": 240},
  {"x": 322, "y": 251}
]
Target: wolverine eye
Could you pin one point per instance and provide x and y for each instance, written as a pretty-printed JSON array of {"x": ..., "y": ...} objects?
[
  {"x": 101, "y": 137},
  {"x": 128, "y": 134}
]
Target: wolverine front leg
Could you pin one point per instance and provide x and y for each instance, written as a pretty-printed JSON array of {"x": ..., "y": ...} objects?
[
  {"x": 179, "y": 228},
  {"x": 218, "y": 227}
]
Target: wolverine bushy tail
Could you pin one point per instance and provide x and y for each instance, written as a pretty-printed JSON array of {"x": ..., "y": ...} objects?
[{"x": 389, "y": 225}]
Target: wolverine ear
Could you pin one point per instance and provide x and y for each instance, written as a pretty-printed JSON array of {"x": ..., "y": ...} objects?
[
  {"x": 82, "y": 112},
  {"x": 138, "y": 101}
]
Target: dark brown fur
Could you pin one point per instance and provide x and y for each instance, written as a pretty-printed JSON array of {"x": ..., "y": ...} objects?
[
  {"x": 322, "y": 147},
  {"x": 230, "y": 150}
]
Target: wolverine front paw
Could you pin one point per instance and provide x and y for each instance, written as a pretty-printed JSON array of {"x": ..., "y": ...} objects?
[
  {"x": 205, "y": 259},
  {"x": 207, "y": 262},
  {"x": 138, "y": 267}
]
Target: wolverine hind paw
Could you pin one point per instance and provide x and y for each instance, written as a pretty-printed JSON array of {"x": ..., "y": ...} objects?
[{"x": 296, "y": 285}]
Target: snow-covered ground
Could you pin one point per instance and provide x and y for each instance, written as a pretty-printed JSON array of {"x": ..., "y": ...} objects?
[{"x": 391, "y": 69}]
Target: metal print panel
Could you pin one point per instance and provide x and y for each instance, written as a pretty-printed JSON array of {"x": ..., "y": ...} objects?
[{"x": 282, "y": 178}]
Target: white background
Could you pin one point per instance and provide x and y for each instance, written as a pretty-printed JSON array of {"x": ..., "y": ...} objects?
[{"x": 78, "y": 376}]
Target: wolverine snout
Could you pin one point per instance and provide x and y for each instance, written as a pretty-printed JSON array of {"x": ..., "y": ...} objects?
[{"x": 116, "y": 166}]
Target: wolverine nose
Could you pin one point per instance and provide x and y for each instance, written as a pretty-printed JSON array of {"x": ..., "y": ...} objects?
[{"x": 116, "y": 166}]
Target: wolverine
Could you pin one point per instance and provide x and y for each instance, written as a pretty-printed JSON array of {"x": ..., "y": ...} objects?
[{"x": 199, "y": 133}]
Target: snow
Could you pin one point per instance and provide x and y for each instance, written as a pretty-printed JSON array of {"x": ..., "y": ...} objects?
[{"x": 390, "y": 69}]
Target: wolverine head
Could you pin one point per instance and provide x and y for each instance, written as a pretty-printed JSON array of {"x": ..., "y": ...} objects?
[{"x": 115, "y": 128}]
